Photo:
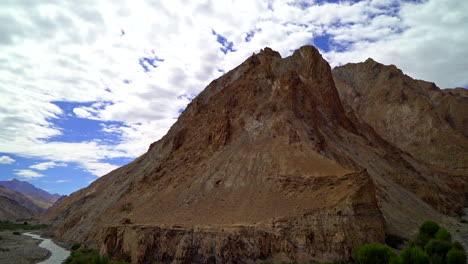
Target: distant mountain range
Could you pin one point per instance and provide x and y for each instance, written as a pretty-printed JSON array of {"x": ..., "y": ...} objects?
[
  {"x": 20, "y": 199},
  {"x": 14, "y": 205}
]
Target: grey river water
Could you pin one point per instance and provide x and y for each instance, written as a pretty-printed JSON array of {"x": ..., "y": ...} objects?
[{"x": 58, "y": 255}]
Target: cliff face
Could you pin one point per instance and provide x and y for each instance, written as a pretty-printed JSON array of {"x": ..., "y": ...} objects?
[
  {"x": 414, "y": 115},
  {"x": 264, "y": 164}
]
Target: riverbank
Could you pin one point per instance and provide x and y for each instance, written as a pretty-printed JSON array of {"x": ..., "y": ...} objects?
[
  {"x": 59, "y": 254},
  {"x": 22, "y": 249}
]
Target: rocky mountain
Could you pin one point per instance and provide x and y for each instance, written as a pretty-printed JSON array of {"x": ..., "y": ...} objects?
[
  {"x": 63, "y": 197},
  {"x": 264, "y": 164},
  {"x": 40, "y": 197},
  {"x": 14, "y": 205},
  {"x": 416, "y": 116}
]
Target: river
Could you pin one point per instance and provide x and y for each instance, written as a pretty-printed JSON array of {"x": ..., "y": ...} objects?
[{"x": 58, "y": 254}]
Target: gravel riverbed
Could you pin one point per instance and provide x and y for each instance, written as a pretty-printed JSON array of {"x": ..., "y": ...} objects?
[{"x": 22, "y": 249}]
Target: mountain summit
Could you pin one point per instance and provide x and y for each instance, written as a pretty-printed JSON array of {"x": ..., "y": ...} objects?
[
  {"x": 416, "y": 116},
  {"x": 41, "y": 198},
  {"x": 264, "y": 164}
]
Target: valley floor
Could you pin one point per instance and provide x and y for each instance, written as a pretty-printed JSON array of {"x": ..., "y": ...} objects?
[{"x": 20, "y": 249}]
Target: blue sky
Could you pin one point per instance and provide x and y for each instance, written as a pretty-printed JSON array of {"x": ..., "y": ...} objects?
[{"x": 87, "y": 88}]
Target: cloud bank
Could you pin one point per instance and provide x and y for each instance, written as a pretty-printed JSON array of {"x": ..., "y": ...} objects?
[{"x": 133, "y": 66}]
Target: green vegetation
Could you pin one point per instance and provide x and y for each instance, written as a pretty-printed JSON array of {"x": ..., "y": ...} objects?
[
  {"x": 429, "y": 228},
  {"x": 291, "y": 262},
  {"x": 394, "y": 241},
  {"x": 437, "y": 250},
  {"x": 75, "y": 246},
  {"x": 443, "y": 234},
  {"x": 83, "y": 256},
  {"x": 456, "y": 256},
  {"x": 457, "y": 245},
  {"x": 284, "y": 262},
  {"x": 412, "y": 255},
  {"x": 101, "y": 260},
  {"x": 427, "y": 231},
  {"x": 123, "y": 262},
  {"x": 16, "y": 233},
  {"x": 374, "y": 254},
  {"x": 433, "y": 245},
  {"x": 8, "y": 225}
]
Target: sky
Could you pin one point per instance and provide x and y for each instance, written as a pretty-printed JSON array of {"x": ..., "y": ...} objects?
[{"x": 86, "y": 86}]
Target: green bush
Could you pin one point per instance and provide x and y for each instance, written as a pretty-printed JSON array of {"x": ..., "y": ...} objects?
[
  {"x": 456, "y": 256},
  {"x": 458, "y": 245},
  {"x": 437, "y": 250},
  {"x": 16, "y": 233},
  {"x": 88, "y": 256},
  {"x": 75, "y": 246},
  {"x": 443, "y": 234},
  {"x": 394, "y": 241},
  {"x": 83, "y": 256},
  {"x": 422, "y": 239},
  {"x": 413, "y": 255},
  {"x": 374, "y": 254},
  {"x": 123, "y": 262},
  {"x": 101, "y": 260},
  {"x": 463, "y": 221},
  {"x": 334, "y": 262},
  {"x": 8, "y": 225},
  {"x": 25, "y": 223},
  {"x": 429, "y": 228}
]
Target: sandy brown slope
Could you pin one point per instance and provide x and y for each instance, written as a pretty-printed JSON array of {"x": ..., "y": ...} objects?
[
  {"x": 264, "y": 164},
  {"x": 14, "y": 205},
  {"x": 414, "y": 115}
]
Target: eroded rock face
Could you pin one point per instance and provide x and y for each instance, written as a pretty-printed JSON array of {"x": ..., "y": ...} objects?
[
  {"x": 414, "y": 115},
  {"x": 264, "y": 164}
]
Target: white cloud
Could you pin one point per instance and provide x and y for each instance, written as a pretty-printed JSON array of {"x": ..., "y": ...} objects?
[
  {"x": 86, "y": 154},
  {"x": 99, "y": 168},
  {"x": 61, "y": 181},
  {"x": 6, "y": 160},
  {"x": 82, "y": 112},
  {"x": 47, "y": 165},
  {"x": 64, "y": 51},
  {"x": 28, "y": 174},
  {"x": 429, "y": 43}
]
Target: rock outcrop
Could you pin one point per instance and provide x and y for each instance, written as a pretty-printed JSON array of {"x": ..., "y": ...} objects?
[
  {"x": 416, "y": 116},
  {"x": 264, "y": 164}
]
